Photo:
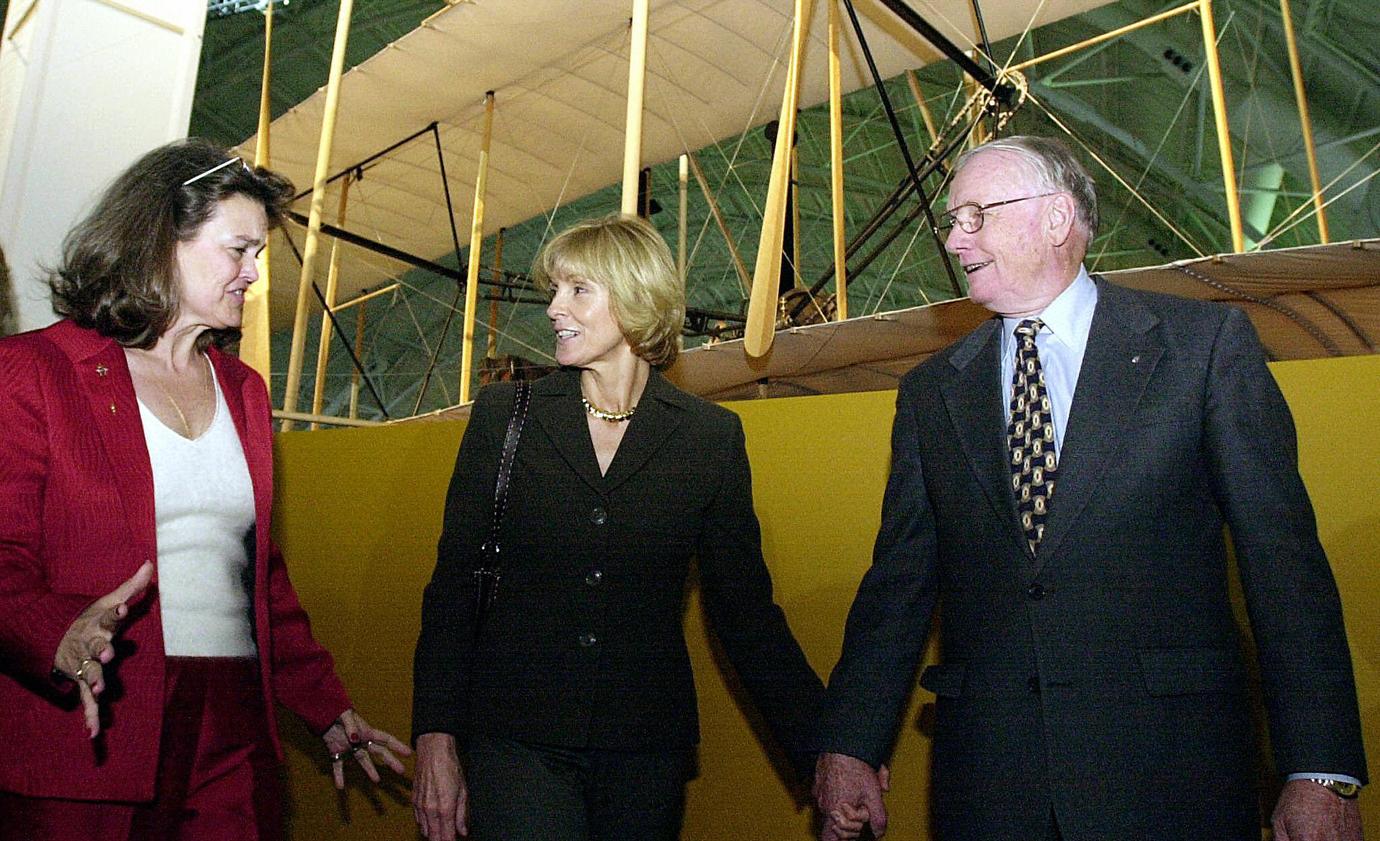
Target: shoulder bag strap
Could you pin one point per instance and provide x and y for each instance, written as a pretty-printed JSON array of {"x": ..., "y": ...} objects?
[{"x": 490, "y": 569}]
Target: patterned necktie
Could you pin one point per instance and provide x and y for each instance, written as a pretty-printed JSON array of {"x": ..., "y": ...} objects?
[{"x": 1030, "y": 435}]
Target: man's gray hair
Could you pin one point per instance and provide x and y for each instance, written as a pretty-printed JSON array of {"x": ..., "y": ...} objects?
[{"x": 1053, "y": 163}]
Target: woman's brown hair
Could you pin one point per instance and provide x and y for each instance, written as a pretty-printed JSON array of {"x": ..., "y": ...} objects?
[{"x": 118, "y": 273}]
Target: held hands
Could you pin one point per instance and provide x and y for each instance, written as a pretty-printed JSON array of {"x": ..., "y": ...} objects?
[
  {"x": 848, "y": 794},
  {"x": 351, "y": 735},
  {"x": 1308, "y": 812},
  {"x": 86, "y": 648},
  {"x": 440, "y": 800}
]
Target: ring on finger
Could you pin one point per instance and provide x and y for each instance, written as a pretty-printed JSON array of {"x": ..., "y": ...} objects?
[
  {"x": 340, "y": 756},
  {"x": 80, "y": 673}
]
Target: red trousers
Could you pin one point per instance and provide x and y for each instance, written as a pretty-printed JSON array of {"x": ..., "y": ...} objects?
[{"x": 218, "y": 779}]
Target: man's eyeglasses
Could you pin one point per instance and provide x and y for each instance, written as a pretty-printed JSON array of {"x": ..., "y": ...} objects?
[{"x": 969, "y": 216}]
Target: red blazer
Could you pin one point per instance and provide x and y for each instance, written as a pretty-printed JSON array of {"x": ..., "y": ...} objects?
[{"x": 76, "y": 519}]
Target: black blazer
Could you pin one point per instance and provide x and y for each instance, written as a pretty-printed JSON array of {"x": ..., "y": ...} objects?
[
  {"x": 584, "y": 646},
  {"x": 1104, "y": 678}
]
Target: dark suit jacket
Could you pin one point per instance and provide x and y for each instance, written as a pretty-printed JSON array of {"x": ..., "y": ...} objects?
[
  {"x": 585, "y": 645},
  {"x": 1103, "y": 678},
  {"x": 76, "y": 520}
]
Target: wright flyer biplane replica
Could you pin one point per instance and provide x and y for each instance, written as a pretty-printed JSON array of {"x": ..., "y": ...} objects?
[{"x": 519, "y": 117}]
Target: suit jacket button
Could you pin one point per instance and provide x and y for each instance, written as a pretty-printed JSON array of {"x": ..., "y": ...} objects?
[
  {"x": 1035, "y": 591},
  {"x": 587, "y": 640},
  {"x": 593, "y": 577},
  {"x": 599, "y": 516}
]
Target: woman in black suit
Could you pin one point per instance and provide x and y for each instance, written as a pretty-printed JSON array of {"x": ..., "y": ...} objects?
[{"x": 574, "y": 706}]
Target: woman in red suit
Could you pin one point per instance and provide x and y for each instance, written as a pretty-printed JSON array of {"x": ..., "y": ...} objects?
[{"x": 147, "y": 625}]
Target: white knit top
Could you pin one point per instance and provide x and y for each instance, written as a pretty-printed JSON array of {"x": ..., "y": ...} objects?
[{"x": 204, "y": 508}]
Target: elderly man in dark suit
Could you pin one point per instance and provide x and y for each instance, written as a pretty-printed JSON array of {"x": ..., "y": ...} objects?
[{"x": 1059, "y": 485}]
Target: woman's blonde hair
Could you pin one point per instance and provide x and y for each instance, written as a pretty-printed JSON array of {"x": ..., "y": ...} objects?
[{"x": 628, "y": 257}]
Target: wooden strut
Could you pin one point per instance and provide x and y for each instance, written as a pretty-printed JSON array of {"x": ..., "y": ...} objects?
[
  {"x": 919, "y": 97},
  {"x": 141, "y": 15},
  {"x": 1219, "y": 110},
  {"x": 682, "y": 223},
  {"x": 1306, "y": 124},
  {"x": 836, "y": 164},
  {"x": 476, "y": 251},
  {"x": 637, "y": 77},
  {"x": 318, "y": 200},
  {"x": 323, "y": 345},
  {"x": 359, "y": 300},
  {"x": 256, "y": 321},
  {"x": 1104, "y": 36},
  {"x": 307, "y": 417}
]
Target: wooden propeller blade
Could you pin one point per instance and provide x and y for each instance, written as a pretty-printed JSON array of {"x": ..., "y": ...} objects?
[{"x": 766, "y": 277}]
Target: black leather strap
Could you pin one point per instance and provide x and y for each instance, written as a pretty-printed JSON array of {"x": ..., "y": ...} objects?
[
  {"x": 521, "y": 397},
  {"x": 490, "y": 570}
]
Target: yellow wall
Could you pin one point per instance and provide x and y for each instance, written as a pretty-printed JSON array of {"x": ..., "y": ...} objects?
[{"x": 359, "y": 513}]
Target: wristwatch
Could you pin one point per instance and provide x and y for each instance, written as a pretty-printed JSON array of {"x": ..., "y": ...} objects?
[{"x": 1346, "y": 791}]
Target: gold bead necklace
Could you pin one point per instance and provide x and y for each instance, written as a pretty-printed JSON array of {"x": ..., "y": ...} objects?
[{"x": 605, "y": 414}]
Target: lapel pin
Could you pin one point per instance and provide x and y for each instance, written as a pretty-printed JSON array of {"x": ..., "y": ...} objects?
[
  {"x": 101, "y": 370},
  {"x": 112, "y": 408},
  {"x": 1135, "y": 359}
]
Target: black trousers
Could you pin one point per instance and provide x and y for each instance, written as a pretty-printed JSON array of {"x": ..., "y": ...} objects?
[{"x": 521, "y": 791}]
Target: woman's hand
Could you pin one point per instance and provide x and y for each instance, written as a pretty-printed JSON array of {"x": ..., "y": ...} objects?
[
  {"x": 352, "y": 735},
  {"x": 440, "y": 800},
  {"x": 86, "y": 648}
]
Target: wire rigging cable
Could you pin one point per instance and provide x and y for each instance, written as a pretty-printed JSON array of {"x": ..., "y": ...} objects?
[
  {"x": 1307, "y": 210},
  {"x": 1149, "y": 165}
]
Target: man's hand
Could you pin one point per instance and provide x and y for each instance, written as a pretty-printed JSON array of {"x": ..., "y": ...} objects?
[
  {"x": 849, "y": 794},
  {"x": 440, "y": 800},
  {"x": 1308, "y": 812}
]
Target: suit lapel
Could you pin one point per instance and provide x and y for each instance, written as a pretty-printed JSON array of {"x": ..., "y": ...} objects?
[
  {"x": 655, "y": 420},
  {"x": 556, "y": 407},
  {"x": 977, "y": 411},
  {"x": 1120, "y": 357},
  {"x": 109, "y": 390}
]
